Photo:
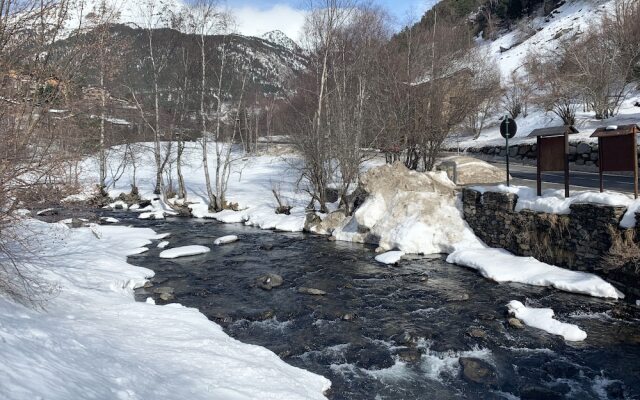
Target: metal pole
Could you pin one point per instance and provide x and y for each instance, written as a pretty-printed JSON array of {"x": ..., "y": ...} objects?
[
  {"x": 506, "y": 119},
  {"x": 538, "y": 166},
  {"x": 566, "y": 164},
  {"x": 635, "y": 163}
]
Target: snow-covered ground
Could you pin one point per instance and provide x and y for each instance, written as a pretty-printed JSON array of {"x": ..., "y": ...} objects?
[{"x": 93, "y": 340}]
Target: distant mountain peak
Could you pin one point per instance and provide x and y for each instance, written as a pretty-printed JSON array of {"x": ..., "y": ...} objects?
[{"x": 280, "y": 38}]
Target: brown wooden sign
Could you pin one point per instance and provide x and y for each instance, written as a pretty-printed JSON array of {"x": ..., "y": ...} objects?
[
  {"x": 617, "y": 151},
  {"x": 553, "y": 153}
]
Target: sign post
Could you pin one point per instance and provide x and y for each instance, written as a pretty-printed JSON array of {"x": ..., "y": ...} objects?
[{"x": 508, "y": 129}]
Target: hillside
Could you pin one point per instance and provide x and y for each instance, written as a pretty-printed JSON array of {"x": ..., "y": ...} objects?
[{"x": 535, "y": 29}]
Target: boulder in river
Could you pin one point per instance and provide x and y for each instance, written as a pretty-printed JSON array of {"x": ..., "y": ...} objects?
[
  {"x": 163, "y": 290},
  {"x": 478, "y": 371},
  {"x": 515, "y": 323},
  {"x": 166, "y": 296},
  {"x": 477, "y": 333},
  {"x": 312, "y": 291},
  {"x": 269, "y": 281}
]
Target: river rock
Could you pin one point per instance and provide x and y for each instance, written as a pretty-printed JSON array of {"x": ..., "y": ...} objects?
[
  {"x": 166, "y": 296},
  {"x": 478, "y": 371},
  {"x": 349, "y": 317},
  {"x": 327, "y": 225},
  {"x": 458, "y": 297},
  {"x": 477, "y": 333},
  {"x": 269, "y": 281},
  {"x": 163, "y": 290},
  {"x": 410, "y": 355},
  {"x": 147, "y": 285},
  {"x": 369, "y": 356},
  {"x": 266, "y": 246},
  {"x": 515, "y": 323},
  {"x": 158, "y": 281},
  {"x": 312, "y": 291}
]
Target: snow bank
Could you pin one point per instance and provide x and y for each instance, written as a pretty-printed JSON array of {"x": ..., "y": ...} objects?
[
  {"x": 409, "y": 211},
  {"x": 184, "y": 251},
  {"x": 501, "y": 266},
  {"x": 94, "y": 341},
  {"x": 553, "y": 201},
  {"x": 225, "y": 240},
  {"x": 542, "y": 318},
  {"x": 390, "y": 257}
]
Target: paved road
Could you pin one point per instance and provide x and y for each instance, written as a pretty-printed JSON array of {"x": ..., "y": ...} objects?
[{"x": 577, "y": 179}]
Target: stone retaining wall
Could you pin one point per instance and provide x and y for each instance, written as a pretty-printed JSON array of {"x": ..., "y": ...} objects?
[{"x": 589, "y": 238}]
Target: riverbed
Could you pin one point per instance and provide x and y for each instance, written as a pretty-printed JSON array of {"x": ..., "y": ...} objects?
[{"x": 393, "y": 332}]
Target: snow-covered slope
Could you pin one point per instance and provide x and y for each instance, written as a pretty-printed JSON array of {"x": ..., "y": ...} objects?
[
  {"x": 510, "y": 49},
  {"x": 568, "y": 20}
]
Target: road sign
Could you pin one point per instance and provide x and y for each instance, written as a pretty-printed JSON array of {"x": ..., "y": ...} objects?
[{"x": 508, "y": 128}]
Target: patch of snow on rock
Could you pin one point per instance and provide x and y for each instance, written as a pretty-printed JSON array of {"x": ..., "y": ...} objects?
[
  {"x": 390, "y": 257},
  {"x": 184, "y": 251},
  {"x": 225, "y": 240},
  {"x": 542, "y": 318}
]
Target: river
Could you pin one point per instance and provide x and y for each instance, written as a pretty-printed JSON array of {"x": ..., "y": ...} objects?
[{"x": 386, "y": 332}]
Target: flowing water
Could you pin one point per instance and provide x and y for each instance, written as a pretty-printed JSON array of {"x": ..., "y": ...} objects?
[{"x": 385, "y": 332}]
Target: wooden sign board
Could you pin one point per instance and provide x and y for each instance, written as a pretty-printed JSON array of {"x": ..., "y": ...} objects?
[
  {"x": 617, "y": 151},
  {"x": 553, "y": 153}
]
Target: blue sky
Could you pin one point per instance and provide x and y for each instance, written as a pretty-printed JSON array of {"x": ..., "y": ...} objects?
[{"x": 255, "y": 17}]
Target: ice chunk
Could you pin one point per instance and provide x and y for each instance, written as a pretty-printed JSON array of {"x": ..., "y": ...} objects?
[
  {"x": 225, "y": 240},
  {"x": 390, "y": 257},
  {"x": 184, "y": 251}
]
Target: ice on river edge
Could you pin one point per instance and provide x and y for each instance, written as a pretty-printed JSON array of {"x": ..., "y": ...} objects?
[
  {"x": 542, "y": 318},
  {"x": 501, "y": 266},
  {"x": 110, "y": 346}
]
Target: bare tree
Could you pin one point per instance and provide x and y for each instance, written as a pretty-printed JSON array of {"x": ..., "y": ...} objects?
[
  {"x": 313, "y": 137},
  {"x": 100, "y": 19},
  {"x": 34, "y": 155}
]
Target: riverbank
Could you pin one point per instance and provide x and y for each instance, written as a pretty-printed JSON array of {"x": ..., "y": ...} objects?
[{"x": 91, "y": 339}]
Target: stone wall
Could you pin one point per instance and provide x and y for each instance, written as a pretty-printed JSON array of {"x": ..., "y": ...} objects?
[{"x": 589, "y": 238}]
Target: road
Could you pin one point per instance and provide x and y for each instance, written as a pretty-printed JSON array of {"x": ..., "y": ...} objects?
[{"x": 526, "y": 174}]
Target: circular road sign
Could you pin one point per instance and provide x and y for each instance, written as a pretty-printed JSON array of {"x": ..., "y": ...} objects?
[{"x": 508, "y": 125}]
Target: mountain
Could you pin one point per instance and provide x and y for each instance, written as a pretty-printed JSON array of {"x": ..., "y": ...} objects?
[
  {"x": 279, "y": 38},
  {"x": 268, "y": 63}
]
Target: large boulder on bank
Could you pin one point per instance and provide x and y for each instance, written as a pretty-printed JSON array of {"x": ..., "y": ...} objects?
[
  {"x": 414, "y": 212},
  {"x": 464, "y": 170}
]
